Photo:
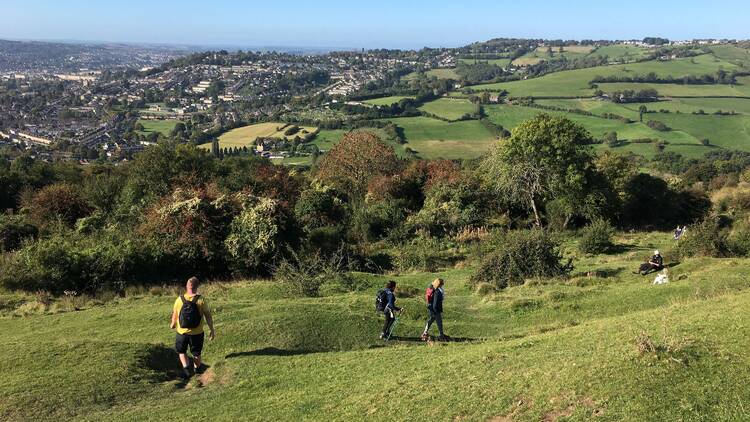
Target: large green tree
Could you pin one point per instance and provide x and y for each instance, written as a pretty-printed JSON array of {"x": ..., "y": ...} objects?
[{"x": 547, "y": 158}]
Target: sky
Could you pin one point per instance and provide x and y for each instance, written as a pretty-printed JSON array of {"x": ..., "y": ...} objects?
[{"x": 366, "y": 24}]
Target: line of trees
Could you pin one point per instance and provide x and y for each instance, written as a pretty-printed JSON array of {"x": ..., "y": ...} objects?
[{"x": 720, "y": 77}]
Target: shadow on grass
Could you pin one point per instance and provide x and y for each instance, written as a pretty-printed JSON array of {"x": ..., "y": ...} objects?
[
  {"x": 164, "y": 364},
  {"x": 622, "y": 248},
  {"x": 270, "y": 351},
  {"x": 448, "y": 340},
  {"x": 600, "y": 272}
]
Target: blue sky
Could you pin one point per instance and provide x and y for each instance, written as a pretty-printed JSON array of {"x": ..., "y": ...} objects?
[{"x": 354, "y": 24}]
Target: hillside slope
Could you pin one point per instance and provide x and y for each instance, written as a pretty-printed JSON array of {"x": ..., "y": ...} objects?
[{"x": 609, "y": 345}]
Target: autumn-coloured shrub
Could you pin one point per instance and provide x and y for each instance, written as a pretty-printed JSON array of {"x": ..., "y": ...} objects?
[
  {"x": 357, "y": 159},
  {"x": 58, "y": 202}
]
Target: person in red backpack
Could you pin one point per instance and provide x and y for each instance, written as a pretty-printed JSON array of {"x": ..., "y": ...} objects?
[{"x": 434, "y": 300}]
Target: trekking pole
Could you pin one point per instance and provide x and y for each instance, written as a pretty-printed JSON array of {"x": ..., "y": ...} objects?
[{"x": 390, "y": 332}]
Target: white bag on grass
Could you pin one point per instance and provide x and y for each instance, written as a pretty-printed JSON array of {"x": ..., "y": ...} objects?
[{"x": 661, "y": 279}]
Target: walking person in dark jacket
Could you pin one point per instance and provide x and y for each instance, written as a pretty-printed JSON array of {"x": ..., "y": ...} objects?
[
  {"x": 434, "y": 298},
  {"x": 390, "y": 308}
]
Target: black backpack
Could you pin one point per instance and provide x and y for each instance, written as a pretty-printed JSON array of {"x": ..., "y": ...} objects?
[
  {"x": 190, "y": 314},
  {"x": 381, "y": 300}
]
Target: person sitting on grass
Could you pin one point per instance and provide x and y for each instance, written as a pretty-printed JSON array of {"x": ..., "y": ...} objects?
[
  {"x": 390, "y": 308},
  {"x": 434, "y": 299},
  {"x": 188, "y": 313},
  {"x": 656, "y": 263}
]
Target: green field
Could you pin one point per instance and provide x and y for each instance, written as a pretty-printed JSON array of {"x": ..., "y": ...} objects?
[
  {"x": 732, "y": 54},
  {"x": 449, "y": 108},
  {"x": 681, "y": 141},
  {"x": 161, "y": 126},
  {"x": 742, "y": 89},
  {"x": 574, "y": 83},
  {"x": 246, "y": 135},
  {"x": 541, "y": 53},
  {"x": 327, "y": 138},
  {"x": 620, "y": 52},
  {"x": 443, "y": 73},
  {"x": 496, "y": 62},
  {"x": 432, "y": 138},
  {"x": 386, "y": 100},
  {"x": 615, "y": 53},
  {"x": 566, "y": 349},
  {"x": 682, "y": 105}
]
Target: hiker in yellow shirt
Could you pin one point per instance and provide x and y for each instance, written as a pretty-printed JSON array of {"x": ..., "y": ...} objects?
[{"x": 187, "y": 319}]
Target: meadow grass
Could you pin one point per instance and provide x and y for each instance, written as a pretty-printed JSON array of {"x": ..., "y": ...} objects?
[
  {"x": 680, "y": 141},
  {"x": 327, "y": 138},
  {"x": 573, "y": 83},
  {"x": 246, "y": 135},
  {"x": 732, "y": 54},
  {"x": 682, "y": 105},
  {"x": 432, "y": 138},
  {"x": 618, "y": 52},
  {"x": 160, "y": 126},
  {"x": 742, "y": 89},
  {"x": 449, "y": 108},
  {"x": 496, "y": 62},
  {"x": 386, "y": 100},
  {"x": 443, "y": 73},
  {"x": 603, "y": 343}
]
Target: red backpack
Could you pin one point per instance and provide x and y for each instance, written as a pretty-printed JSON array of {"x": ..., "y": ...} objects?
[{"x": 428, "y": 294}]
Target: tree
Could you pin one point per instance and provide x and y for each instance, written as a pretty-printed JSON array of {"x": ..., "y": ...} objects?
[
  {"x": 58, "y": 202},
  {"x": 642, "y": 109},
  {"x": 611, "y": 139},
  {"x": 546, "y": 158},
  {"x": 353, "y": 162}
]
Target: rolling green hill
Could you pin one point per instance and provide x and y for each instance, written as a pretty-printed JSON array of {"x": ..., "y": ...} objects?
[
  {"x": 449, "y": 108},
  {"x": 610, "y": 345},
  {"x": 432, "y": 138},
  {"x": 575, "y": 83}
]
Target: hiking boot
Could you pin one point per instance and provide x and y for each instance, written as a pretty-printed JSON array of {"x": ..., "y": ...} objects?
[
  {"x": 443, "y": 337},
  {"x": 200, "y": 369},
  {"x": 425, "y": 337}
]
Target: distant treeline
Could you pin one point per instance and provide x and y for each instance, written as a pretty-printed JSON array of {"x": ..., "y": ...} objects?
[
  {"x": 720, "y": 77},
  {"x": 632, "y": 96}
]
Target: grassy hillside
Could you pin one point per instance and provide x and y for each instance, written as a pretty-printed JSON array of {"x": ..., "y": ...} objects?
[
  {"x": 246, "y": 135},
  {"x": 496, "y": 62},
  {"x": 681, "y": 141},
  {"x": 449, "y": 108},
  {"x": 433, "y": 138},
  {"x": 610, "y": 345},
  {"x": 160, "y": 126},
  {"x": 574, "y": 83},
  {"x": 385, "y": 100}
]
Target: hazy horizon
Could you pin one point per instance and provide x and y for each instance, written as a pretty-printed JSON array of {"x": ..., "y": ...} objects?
[{"x": 340, "y": 25}]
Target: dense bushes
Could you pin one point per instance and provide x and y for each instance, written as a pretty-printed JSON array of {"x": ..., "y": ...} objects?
[
  {"x": 657, "y": 125},
  {"x": 254, "y": 234},
  {"x": 190, "y": 226},
  {"x": 708, "y": 238},
  {"x": 423, "y": 254},
  {"x": 650, "y": 203},
  {"x": 61, "y": 202},
  {"x": 521, "y": 255},
  {"x": 13, "y": 231},
  {"x": 175, "y": 211},
  {"x": 596, "y": 238},
  {"x": 68, "y": 261}
]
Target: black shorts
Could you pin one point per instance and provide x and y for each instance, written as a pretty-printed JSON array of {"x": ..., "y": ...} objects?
[{"x": 195, "y": 342}]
